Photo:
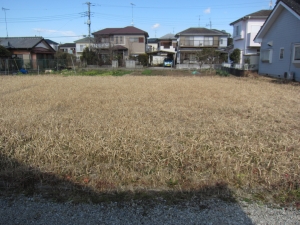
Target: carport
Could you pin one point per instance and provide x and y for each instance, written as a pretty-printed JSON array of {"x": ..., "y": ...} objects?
[{"x": 162, "y": 54}]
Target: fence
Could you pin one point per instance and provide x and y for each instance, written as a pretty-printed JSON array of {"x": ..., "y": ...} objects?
[{"x": 11, "y": 66}]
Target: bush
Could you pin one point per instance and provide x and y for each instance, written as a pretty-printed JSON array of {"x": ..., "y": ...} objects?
[
  {"x": 143, "y": 59},
  {"x": 222, "y": 73},
  {"x": 235, "y": 56}
]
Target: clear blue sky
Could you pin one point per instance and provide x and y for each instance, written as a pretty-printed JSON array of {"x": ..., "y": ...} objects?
[{"x": 64, "y": 21}]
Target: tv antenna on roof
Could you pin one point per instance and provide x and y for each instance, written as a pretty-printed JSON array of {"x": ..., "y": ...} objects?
[
  {"x": 271, "y": 4},
  {"x": 4, "y": 9},
  {"x": 209, "y": 24},
  {"x": 132, "y": 13}
]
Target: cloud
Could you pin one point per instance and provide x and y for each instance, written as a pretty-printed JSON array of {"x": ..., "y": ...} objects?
[
  {"x": 59, "y": 32},
  {"x": 207, "y": 11},
  {"x": 155, "y": 26}
]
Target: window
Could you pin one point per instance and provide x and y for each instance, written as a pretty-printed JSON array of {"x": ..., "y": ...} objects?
[
  {"x": 266, "y": 56},
  {"x": 117, "y": 40},
  {"x": 281, "y": 52},
  {"x": 237, "y": 31},
  {"x": 112, "y": 38},
  {"x": 296, "y": 53},
  {"x": 134, "y": 39},
  {"x": 137, "y": 39},
  {"x": 121, "y": 39},
  {"x": 81, "y": 47}
]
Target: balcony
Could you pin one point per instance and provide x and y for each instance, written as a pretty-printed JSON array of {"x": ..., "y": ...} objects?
[{"x": 201, "y": 43}]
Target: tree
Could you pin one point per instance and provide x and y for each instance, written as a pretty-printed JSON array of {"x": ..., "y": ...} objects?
[
  {"x": 89, "y": 56},
  {"x": 235, "y": 56},
  {"x": 4, "y": 53},
  {"x": 207, "y": 55}
]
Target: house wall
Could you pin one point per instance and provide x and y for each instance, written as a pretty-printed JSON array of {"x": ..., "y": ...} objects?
[
  {"x": 249, "y": 29},
  {"x": 284, "y": 33}
]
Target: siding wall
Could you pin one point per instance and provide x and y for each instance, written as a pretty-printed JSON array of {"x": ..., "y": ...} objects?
[{"x": 284, "y": 32}]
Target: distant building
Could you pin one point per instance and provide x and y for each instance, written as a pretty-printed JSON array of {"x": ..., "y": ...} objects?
[
  {"x": 68, "y": 47},
  {"x": 53, "y": 44}
]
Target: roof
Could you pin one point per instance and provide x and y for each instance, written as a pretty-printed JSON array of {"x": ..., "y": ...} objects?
[
  {"x": 50, "y": 42},
  {"x": 119, "y": 47},
  {"x": 124, "y": 30},
  {"x": 168, "y": 36},
  {"x": 202, "y": 31},
  {"x": 68, "y": 45},
  {"x": 152, "y": 40},
  {"x": 292, "y": 6},
  {"x": 20, "y": 42},
  {"x": 261, "y": 14},
  {"x": 85, "y": 40}
]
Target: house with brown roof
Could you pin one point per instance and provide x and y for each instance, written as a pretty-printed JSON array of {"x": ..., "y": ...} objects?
[
  {"x": 125, "y": 42},
  {"x": 194, "y": 39},
  {"x": 244, "y": 32},
  {"x": 280, "y": 41}
]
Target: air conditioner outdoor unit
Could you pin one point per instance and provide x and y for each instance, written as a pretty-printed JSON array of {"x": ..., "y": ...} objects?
[{"x": 289, "y": 75}]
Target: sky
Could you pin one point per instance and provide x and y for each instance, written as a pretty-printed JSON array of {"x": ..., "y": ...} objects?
[{"x": 65, "y": 21}]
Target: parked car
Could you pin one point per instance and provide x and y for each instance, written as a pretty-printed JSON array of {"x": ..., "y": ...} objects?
[{"x": 168, "y": 62}]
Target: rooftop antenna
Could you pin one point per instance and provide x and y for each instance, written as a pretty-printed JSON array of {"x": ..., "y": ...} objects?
[
  {"x": 4, "y": 9},
  {"x": 132, "y": 13},
  {"x": 199, "y": 21},
  {"x": 271, "y": 4},
  {"x": 209, "y": 24}
]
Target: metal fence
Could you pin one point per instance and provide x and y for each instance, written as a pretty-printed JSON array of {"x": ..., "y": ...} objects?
[{"x": 11, "y": 66}]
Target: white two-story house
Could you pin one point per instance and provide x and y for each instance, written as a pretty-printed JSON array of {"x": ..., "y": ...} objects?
[
  {"x": 81, "y": 44},
  {"x": 244, "y": 31}
]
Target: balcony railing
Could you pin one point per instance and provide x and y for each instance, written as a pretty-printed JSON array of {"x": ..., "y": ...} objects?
[{"x": 203, "y": 43}]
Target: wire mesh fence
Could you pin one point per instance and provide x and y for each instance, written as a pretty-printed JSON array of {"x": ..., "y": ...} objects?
[{"x": 12, "y": 66}]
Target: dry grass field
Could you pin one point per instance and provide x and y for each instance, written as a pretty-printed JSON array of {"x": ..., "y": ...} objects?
[{"x": 151, "y": 133}]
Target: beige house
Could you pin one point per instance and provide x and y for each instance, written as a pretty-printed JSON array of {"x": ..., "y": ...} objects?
[{"x": 124, "y": 43}]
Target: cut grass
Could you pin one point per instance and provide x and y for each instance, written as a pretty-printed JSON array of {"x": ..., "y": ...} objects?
[{"x": 136, "y": 134}]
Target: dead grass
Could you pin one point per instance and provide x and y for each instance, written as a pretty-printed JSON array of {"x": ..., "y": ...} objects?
[{"x": 139, "y": 133}]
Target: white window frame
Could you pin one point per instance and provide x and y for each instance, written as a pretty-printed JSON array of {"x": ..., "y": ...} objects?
[
  {"x": 281, "y": 53},
  {"x": 296, "y": 50},
  {"x": 266, "y": 55}
]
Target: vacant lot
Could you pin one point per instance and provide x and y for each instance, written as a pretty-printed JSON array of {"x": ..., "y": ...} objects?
[{"x": 135, "y": 133}]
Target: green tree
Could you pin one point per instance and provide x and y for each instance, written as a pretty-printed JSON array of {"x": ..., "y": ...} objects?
[
  {"x": 143, "y": 59},
  {"x": 4, "y": 53},
  {"x": 89, "y": 56},
  {"x": 207, "y": 56},
  {"x": 235, "y": 56}
]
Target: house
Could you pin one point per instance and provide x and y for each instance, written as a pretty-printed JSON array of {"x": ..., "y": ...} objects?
[
  {"x": 68, "y": 47},
  {"x": 123, "y": 42},
  {"x": 168, "y": 42},
  {"x": 280, "y": 41},
  {"x": 29, "y": 52},
  {"x": 194, "y": 39},
  {"x": 244, "y": 31},
  {"x": 53, "y": 44},
  {"x": 164, "y": 47},
  {"x": 152, "y": 44},
  {"x": 81, "y": 44}
]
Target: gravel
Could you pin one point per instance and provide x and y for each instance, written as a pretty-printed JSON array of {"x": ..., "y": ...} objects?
[{"x": 35, "y": 210}]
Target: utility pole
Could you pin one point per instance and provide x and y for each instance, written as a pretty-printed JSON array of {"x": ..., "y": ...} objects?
[
  {"x": 4, "y": 9},
  {"x": 89, "y": 22}
]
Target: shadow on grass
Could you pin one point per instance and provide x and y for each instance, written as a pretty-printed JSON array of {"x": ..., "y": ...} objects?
[{"x": 16, "y": 179}]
